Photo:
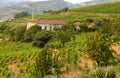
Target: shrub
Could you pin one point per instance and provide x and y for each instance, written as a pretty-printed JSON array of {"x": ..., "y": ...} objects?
[
  {"x": 17, "y": 34},
  {"x": 3, "y": 27},
  {"x": 41, "y": 38},
  {"x": 100, "y": 72},
  {"x": 90, "y": 20},
  {"x": 103, "y": 72},
  {"x": 54, "y": 44},
  {"x": 99, "y": 48},
  {"x": 30, "y": 33},
  {"x": 43, "y": 63}
]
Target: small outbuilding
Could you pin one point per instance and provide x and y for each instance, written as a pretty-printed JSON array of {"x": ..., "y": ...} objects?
[{"x": 77, "y": 26}]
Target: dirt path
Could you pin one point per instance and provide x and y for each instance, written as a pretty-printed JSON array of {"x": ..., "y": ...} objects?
[
  {"x": 1, "y": 40},
  {"x": 116, "y": 48}
]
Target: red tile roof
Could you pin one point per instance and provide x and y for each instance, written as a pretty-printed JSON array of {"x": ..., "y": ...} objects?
[
  {"x": 77, "y": 23},
  {"x": 49, "y": 21}
]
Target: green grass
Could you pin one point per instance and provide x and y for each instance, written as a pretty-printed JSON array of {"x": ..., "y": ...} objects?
[{"x": 103, "y": 8}]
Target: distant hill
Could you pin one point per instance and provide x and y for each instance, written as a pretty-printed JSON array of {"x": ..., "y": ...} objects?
[
  {"x": 8, "y": 8},
  {"x": 38, "y": 7},
  {"x": 104, "y": 8}
]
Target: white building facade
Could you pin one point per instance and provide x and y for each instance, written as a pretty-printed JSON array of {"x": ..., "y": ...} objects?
[{"x": 46, "y": 24}]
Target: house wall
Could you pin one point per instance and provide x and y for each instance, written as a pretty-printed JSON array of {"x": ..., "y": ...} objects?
[
  {"x": 43, "y": 26},
  {"x": 30, "y": 25},
  {"x": 48, "y": 26}
]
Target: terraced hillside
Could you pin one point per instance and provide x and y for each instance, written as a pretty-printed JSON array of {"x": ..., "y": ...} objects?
[{"x": 103, "y": 8}]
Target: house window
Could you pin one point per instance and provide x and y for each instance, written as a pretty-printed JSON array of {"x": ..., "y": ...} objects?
[
  {"x": 50, "y": 27},
  {"x": 45, "y": 27},
  {"x": 40, "y": 27}
]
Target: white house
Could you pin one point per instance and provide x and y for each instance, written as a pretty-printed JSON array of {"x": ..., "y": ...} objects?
[{"x": 46, "y": 24}]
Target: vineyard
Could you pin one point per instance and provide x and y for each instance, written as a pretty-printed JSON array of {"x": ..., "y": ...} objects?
[
  {"x": 64, "y": 51},
  {"x": 102, "y": 8},
  {"x": 16, "y": 59}
]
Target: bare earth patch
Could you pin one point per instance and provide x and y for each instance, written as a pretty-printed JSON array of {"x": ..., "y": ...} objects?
[
  {"x": 1, "y": 40},
  {"x": 116, "y": 48}
]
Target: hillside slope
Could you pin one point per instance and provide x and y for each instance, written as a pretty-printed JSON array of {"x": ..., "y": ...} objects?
[
  {"x": 7, "y": 12},
  {"x": 103, "y": 8}
]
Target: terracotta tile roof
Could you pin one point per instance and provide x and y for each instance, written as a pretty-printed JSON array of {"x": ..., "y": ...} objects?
[
  {"x": 77, "y": 23},
  {"x": 49, "y": 21}
]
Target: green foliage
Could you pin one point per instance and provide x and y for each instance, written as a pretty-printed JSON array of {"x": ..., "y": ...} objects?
[
  {"x": 103, "y": 8},
  {"x": 30, "y": 33},
  {"x": 101, "y": 22},
  {"x": 11, "y": 53},
  {"x": 17, "y": 34},
  {"x": 85, "y": 28},
  {"x": 99, "y": 48},
  {"x": 41, "y": 38},
  {"x": 68, "y": 27},
  {"x": 43, "y": 65},
  {"x": 64, "y": 37},
  {"x": 112, "y": 27},
  {"x": 104, "y": 72},
  {"x": 22, "y": 14},
  {"x": 90, "y": 20},
  {"x": 3, "y": 27},
  {"x": 100, "y": 72},
  {"x": 55, "y": 44},
  {"x": 65, "y": 33}
]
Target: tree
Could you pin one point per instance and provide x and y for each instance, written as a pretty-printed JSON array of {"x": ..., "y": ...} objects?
[
  {"x": 68, "y": 27},
  {"x": 21, "y": 14},
  {"x": 30, "y": 33},
  {"x": 65, "y": 9},
  {"x": 17, "y": 34},
  {"x": 99, "y": 23},
  {"x": 65, "y": 33},
  {"x": 113, "y": 29},
  {"x": 99, "y": 48},
  {"x": 64, "y": 37},
  {"x": 41, "y": 38}
]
